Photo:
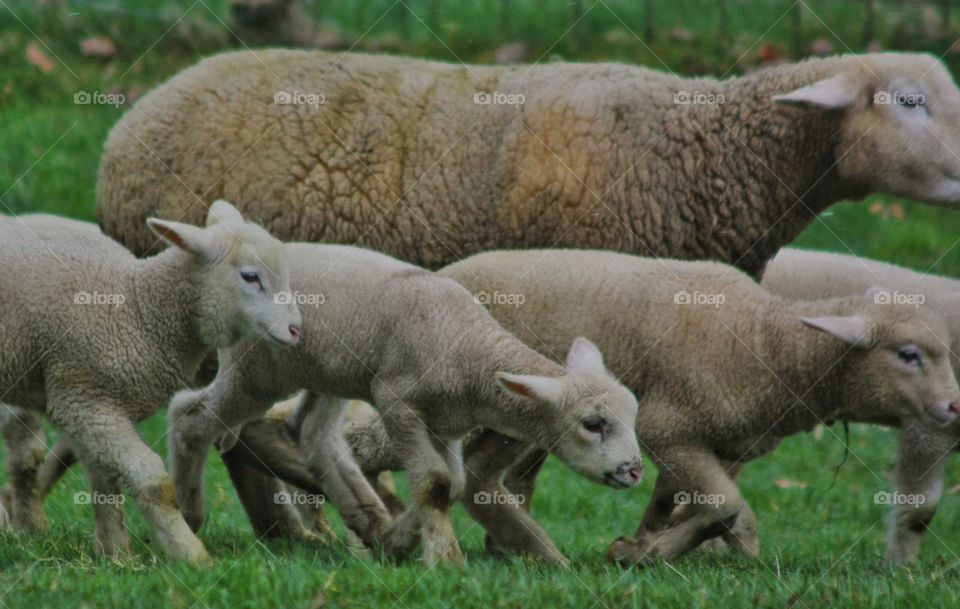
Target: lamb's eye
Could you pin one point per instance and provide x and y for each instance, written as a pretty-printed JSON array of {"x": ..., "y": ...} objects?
[
  {"x": 593, "y": 424},
  {"x": 250, "y": 276},
  {"x": 910, "y": 356}
]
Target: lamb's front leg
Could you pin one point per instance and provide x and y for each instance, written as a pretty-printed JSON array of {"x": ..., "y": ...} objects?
[
  {"x": 26, "y": 448},
  {"x": 504, "y": 515},
  {"x": 433, "y": 488},
  {"x": 107, "y": 440},
  {"x": 327, "y": 454},
  {"x": 196, "y": 419},
  {"x": 918, "y": 484}
]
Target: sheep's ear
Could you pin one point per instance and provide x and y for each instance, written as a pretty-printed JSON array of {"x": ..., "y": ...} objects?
[
  {"x": 585, "y": 357},
  {"x": 187, "y": 237},
  {"x": 854, "y": 330},
  {"x": 223, "y": 211},
  {"x": 834, "y": 93},
  {"x": 540, "y": 388}
]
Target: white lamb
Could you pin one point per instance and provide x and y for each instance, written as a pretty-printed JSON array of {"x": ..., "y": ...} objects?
[
  {"x": 97, "y": 340},
  {"x": 923, "y": 448},
  {"x": 435, "y": 364}
]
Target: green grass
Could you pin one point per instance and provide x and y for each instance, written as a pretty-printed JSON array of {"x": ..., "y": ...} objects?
[{"x": 822, "y": 544}]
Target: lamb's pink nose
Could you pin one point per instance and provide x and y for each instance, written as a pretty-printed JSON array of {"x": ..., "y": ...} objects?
[
  {"x": 636, "y": 473},
  {"x": 954, "y": 407},
  {"x": 294, "y": 333}
]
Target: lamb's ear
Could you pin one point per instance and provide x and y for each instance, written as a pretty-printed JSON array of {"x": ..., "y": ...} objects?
[
  {"x": 585, "y": 357},
  {"x": 854, "y": 330},
  {"x": 187, "y": 237},
  {"x": 834, "y": 93},
  {"x": 223, "y": 211},
  {"x": 541, "y": 388}
]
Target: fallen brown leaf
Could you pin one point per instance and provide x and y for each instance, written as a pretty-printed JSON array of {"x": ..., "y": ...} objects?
[{"x": 38, "y": 58}]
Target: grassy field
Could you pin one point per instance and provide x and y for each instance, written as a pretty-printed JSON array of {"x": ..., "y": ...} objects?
[{"x": 822, "y": 538}]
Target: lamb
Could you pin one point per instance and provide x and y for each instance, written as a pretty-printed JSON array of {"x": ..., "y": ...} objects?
[
  {"x": 420, "y": 160},
  {"x": 97, "y": 340},
  {"x": 923, "y": 448},
  {"x": 435, "y": 364}
]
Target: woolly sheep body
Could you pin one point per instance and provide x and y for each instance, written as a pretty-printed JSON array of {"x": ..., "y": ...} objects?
[
  {"x": 923, "y": 449},
  {"x": 397, "y": 155}
]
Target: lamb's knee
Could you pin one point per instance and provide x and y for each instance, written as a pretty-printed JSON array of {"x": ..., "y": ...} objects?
[{"x": 437, "y": 492}]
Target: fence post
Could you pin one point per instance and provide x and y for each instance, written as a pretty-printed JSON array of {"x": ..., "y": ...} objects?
[
  {"x": 795, "y": 24},
  {"x": 723, "y": 24},
  {"x": 649, "y": 32},
  {"x": 870, "y": 22}
]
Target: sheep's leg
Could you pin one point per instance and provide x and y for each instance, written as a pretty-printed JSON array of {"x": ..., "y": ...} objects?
[
  {"x": 432, "y": 484},
  {"x": 57, "y": 462},
  {"x": 265, "y": 500},
  {"x": 504, "y": 515},
  {"x": 196, "y": 420},
  {"x": 106, "y": 497},
  {"x": 521, "y": 477},
  {"x": 107, "y": 440},
  {"x": 24, "y": 437},
  {"x": 327, "y": 454},
  {"x": 713, "y": 503},
  {"x": 919, "y": 478}
]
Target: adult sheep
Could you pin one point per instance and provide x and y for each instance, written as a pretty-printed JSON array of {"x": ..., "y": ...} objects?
[{"x": 430, "y": 162}]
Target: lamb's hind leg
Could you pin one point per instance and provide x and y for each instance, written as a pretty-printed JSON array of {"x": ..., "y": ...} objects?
[
  {"x": 919, "y": 481},
  {"x": 24, "y": 437},
  {"x": 106, "y": 440},
  {"x": 107, "y": 499},
  {"x": 328, "y": 456},
  {"x": 504, "y": 514}
]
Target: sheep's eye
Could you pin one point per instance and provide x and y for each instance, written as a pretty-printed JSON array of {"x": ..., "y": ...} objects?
[
  {"x": 250, "y": 276},
  {"x": 593, "y": 424},
  {"x": 910, "y": 357}
]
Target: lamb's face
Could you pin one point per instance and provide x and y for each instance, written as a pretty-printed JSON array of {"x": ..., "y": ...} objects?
[
  {"x": 589, "y": 420},
  {"x": 901, "y": 364},
  {"x": 899, "y": 117},
  {"x": 910, "y": 363},
  {"x": 244, "y": 281}
]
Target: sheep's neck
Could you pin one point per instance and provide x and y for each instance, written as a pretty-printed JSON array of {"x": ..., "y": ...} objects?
[
  {"x": 810, "y": 366},
  {"x": 786, "y": 167},
  {"x": 519, "y": 418},
  {"x": 168, "y": 302}
]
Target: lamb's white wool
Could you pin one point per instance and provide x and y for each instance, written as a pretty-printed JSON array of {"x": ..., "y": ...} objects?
[
  {"x": 703, "y": 347},
  {"x": 690, "y": 168},
  {"x": 924, "y": 449},
  {"x": 98, "y": 340},
  {"x": 435, "y": 364}
]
